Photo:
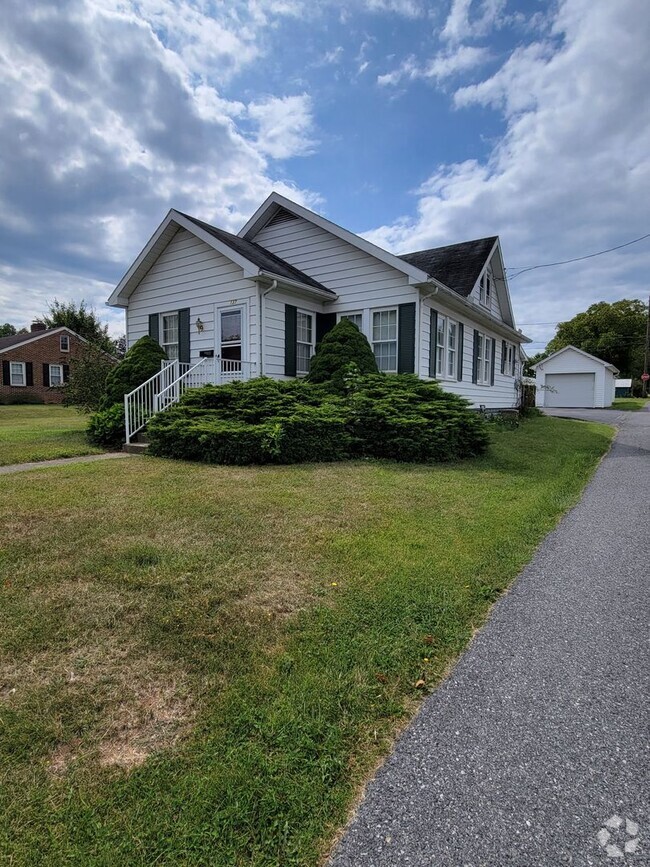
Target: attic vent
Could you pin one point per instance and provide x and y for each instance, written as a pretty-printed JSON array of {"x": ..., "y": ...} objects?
[{"x": 281, "y": 216}]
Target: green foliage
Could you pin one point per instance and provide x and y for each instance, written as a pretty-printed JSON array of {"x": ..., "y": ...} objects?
[
  {"x": 80, "y": 319},
  {"x": 106, "y": 428},
  {"x": 7, "y": 330},
  {"x": 341, "y": 348},
  {"x": 614, "y": 332},
  {"x": 88, "y": 374},
  {"x": 24, "y": 398},
  {"x": 139, "y": 364},
  {"x": 266, "y": 421}
]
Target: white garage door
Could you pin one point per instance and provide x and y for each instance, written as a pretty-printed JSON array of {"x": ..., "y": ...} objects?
[{"x": 570, "y": 389}]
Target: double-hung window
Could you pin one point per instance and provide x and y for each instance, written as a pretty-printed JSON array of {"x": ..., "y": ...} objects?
[
  {"x": 485, "y": 289},
  {"x": 357, "y": 318},
  {"x": 56, "y": 375},
  {"x": 304, "y": 342},
  {"x": 509, "y": 359},
  {"x": 446, "y": 338},
  {"x": 17, "y": 373},
  {"x": 384, "y": 339},
  {"x": 485, "y": 349},
  {"x": 64, "y": 343},
  {"x": 169, "y": 331}
]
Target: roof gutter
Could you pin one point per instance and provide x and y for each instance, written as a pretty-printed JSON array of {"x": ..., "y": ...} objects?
[
  {"x": 474, "y": 312},
  {"x": 295, "y": 284}
]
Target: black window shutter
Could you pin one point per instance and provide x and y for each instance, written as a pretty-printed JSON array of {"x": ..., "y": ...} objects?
[
  {"x": 324, "y": 323},
  {"x": 6, "y": 373},
  {"x": 406, "y": 338},
  {"x": 290, "y": 316},
  {"x": 494, "y": 357},
  {"x": 475, "y": 358},
  {"x": 154, "y": 325},
  {"x": 503, "y": 356},
  {"x": 184, "y": 335},
  {"x": 46, "y": 375},
  {"x": 461, "y": 349},
  {"x": 29, "y": 373},
  {"x": 432, "y": 344},
  {"x": 66, "y": 372}
]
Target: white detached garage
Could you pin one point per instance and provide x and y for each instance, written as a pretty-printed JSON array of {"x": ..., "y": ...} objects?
[{"x": 573, "y": 378}]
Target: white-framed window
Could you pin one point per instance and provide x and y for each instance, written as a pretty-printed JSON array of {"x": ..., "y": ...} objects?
[
  {"x": 446, "y": 348},
  {"x": 17, "y": 374},
  {"x": 169, "y": 334},
  {"x": 485, "y": 289},
  {"x": 304, "y": 341},
  {"x": 509, "y": 359},
  {"x": 384, "y": 339},
  {"x": 485, "y": 351},
  {"x": 64, "y": 343},
  {"x": 356, "y": 317},
  {"x": 56, "y": 375}
]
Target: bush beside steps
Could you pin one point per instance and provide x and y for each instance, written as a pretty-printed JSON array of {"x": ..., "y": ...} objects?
[{"x": 264, "y": 421}]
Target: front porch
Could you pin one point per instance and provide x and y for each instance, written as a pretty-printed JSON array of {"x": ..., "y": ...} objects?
[{"x": 166, "y": 387}]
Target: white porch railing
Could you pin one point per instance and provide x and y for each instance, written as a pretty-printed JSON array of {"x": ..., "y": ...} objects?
[{"x": 166, "y": 387}]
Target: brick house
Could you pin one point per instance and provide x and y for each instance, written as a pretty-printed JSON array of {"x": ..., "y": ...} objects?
[{"x": 37, "y": 363}]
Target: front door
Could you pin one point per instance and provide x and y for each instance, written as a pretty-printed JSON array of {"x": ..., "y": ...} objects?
[{"x": 230, "y": 337}]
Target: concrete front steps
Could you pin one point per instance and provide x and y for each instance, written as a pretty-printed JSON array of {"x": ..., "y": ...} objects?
[{"x": 138, "y": 446}]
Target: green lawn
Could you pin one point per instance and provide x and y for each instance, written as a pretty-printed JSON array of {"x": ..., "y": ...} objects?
[
  {"x": 631, "y": 404},
  {"x": 201, "y": 665},
  {"x": 40, "y": 433}
]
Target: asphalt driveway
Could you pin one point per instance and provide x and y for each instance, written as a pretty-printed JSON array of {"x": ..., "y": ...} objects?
[{"x": 539, "y": 737}]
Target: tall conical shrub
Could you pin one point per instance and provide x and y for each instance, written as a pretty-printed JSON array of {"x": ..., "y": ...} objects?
[
  {"x": 340, "y": 348},
  {"x": 140, "y": 362}
]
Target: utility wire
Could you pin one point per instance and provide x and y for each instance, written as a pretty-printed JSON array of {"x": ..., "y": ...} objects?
[{"x": 577, "y": 258}]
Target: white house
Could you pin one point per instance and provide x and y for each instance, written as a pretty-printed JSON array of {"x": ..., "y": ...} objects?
[
  {"x": 573, "y": 378},
  {"x": 227, "y": 306}
]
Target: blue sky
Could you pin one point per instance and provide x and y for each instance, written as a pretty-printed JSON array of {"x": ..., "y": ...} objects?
[{"x": 415, "y": 123}]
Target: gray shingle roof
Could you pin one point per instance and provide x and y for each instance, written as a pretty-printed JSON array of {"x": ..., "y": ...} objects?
[
  {"x": 457, "y": 266},
  {"x": 259, "y": 256}
]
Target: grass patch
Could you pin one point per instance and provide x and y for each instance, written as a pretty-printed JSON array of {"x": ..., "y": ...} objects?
[
  {"x": 200, "y": 665},
  {"x": 41, "y": 433},
  {"x": 630, "y": 404}
]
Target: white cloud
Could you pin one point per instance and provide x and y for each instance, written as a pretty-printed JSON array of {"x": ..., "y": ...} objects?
[
  {"x": 285, "y": 126},
  {"x": 442, "y": 66},
  {"x": 570, "y": 175},
  {"x": 462, "y": 25}
]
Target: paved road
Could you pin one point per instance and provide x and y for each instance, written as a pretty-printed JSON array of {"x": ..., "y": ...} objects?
[{"x": 540, "y": 735}]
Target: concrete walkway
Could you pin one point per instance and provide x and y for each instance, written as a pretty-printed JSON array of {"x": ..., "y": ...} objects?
[
  {"x": 540, "y": 735},
  {"x": 59, "y": 462}
]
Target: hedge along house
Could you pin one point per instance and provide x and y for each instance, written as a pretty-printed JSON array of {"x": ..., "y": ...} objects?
[{"x": 227, "y": 306}]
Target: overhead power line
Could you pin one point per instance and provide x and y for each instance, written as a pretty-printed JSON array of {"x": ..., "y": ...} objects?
[{"x": 520, "y": 270}]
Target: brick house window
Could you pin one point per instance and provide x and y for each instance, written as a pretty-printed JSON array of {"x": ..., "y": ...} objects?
[
  {"x": 56, "y": 375},
  {"x": 64, "y": 343},
  {"x": 17, "y": 373}
]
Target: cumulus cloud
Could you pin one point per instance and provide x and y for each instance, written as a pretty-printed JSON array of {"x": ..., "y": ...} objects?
[
  {"x": 442, "y": 66},
  {"x": 285, "y": 126},
  {"x": 570, "y": 175},
  {"x": 469, "y": 19}
]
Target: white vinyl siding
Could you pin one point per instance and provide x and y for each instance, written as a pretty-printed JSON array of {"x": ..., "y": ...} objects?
[
  {"x": 304, "y": 341},
  {"x": 189, "y": 273},
  {"x": 56, "y": 375},
  {"x": 17, "y": 373},
  {"x": 384, "y": 339}
]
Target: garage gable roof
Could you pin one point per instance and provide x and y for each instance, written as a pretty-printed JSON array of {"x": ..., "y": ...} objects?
[{"x": 580, "y": 352}]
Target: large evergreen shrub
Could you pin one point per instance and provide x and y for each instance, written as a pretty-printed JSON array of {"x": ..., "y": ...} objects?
[
  {"x": 139, "y": 364},
  {"x": 265, "y": 421},
  {"x": 341, "y": 350}
]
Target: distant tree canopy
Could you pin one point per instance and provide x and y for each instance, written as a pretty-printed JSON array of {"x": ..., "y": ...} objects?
[
  {"x": 81, "y": 319},
  {"x": 614, "y": 332},
  {"x": 8, "y": 330}
]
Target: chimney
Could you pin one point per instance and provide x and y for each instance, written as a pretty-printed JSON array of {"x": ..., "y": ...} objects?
[{"x": 38, "y": 326}]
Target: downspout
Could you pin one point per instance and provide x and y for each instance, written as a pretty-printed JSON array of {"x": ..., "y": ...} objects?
[
  {"x": 274, "y": 285},
  {"x": 420, "y": 304}
]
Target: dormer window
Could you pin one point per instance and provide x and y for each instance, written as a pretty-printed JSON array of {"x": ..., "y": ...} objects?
[{"x": 485, "y": 289}]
